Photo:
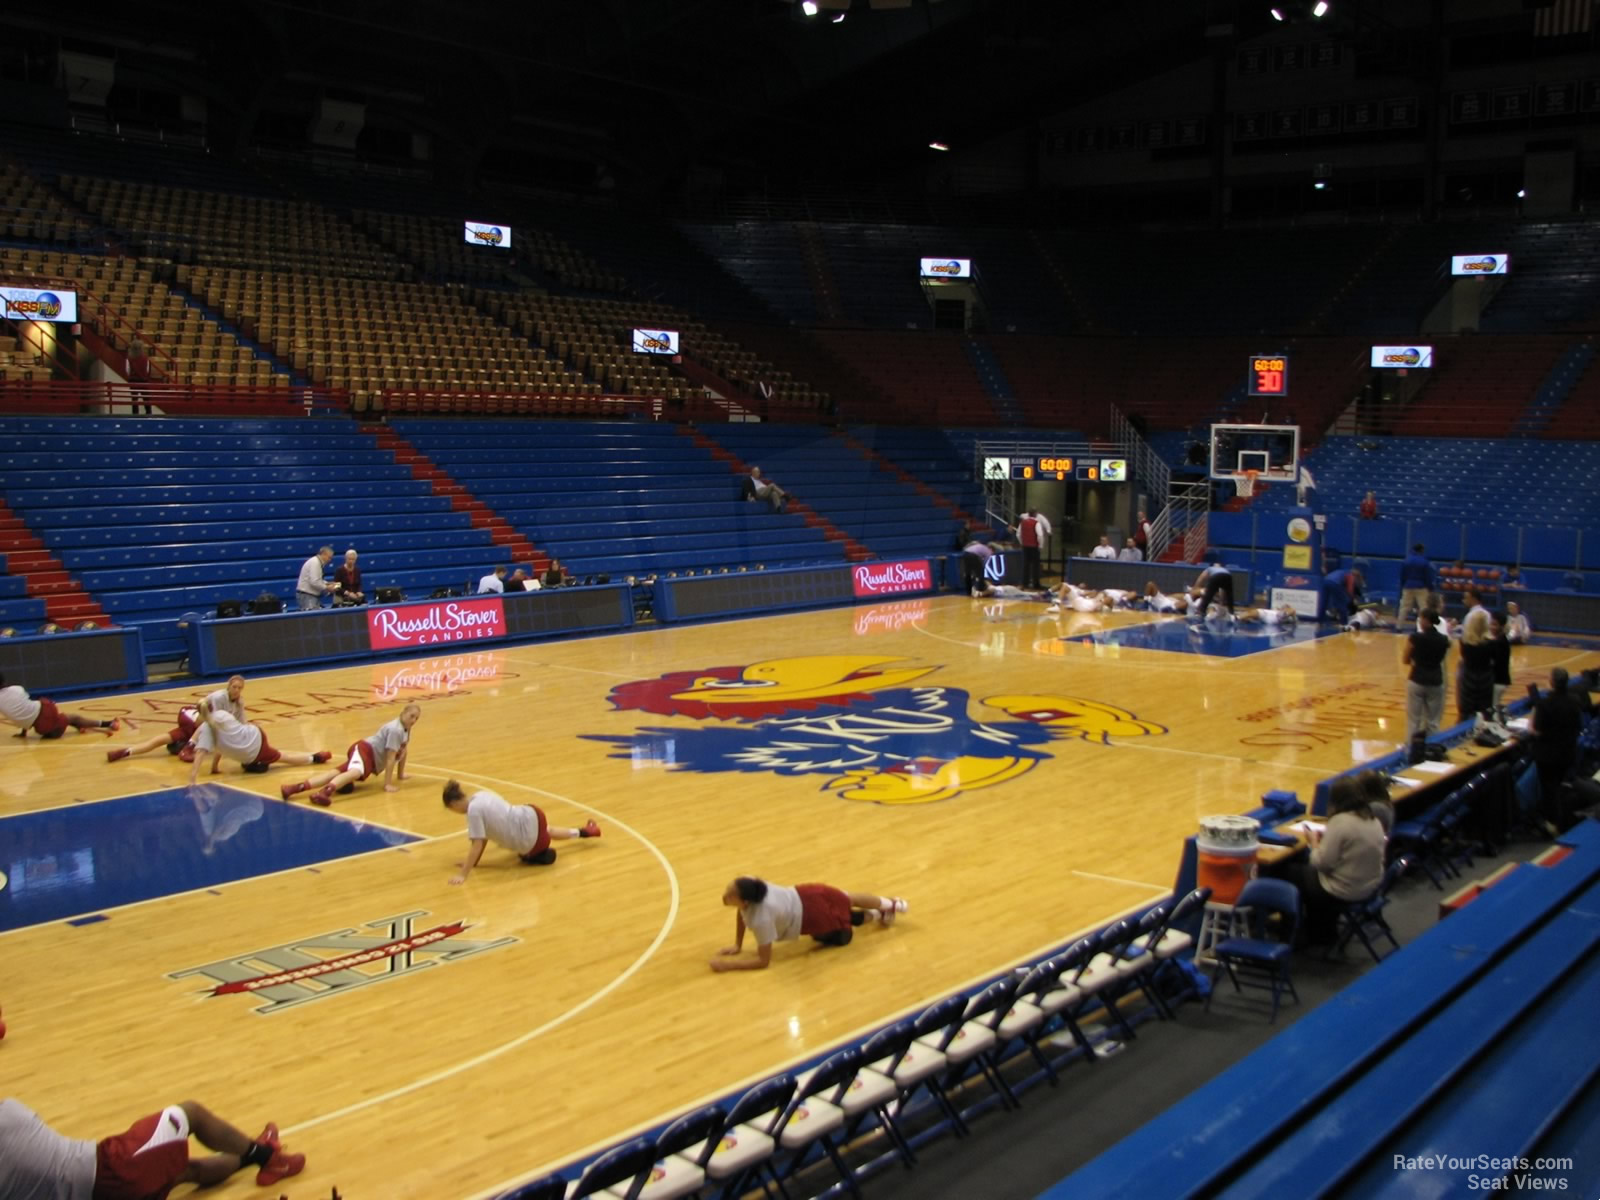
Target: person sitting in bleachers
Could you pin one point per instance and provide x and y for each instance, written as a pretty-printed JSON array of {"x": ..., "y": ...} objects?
[
  {"x": 493, "y": 582},
  {"x": 1346, "y": 861},
  {"x": 556, "y": 575},
  {"x": 756, "y": 487},
  {"x": 1104, "y": 550},
  {"x": 1130, "y": 552},
  {"x": 348, "y": 579}
]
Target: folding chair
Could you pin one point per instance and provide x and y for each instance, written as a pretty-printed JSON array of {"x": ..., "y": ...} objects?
[
  {"x": 620, "y": 1172},
  {"x": 875, "y": 1087},
  {"x": 747, "y": 1142},
  {"x": 817, "y": 1112},
  {"x": 973, "y": 1040},
  {"x": 1364, "y": 919},
  {"x": 921, "y": 1062},
  {"x": 1099, "y": 977},
  {"x": 551, "y": 1187},
  {"x": 1261, "y": 959},
  {"x": 681, "y": 1153},
  {"x": 1059, "y": 997}
]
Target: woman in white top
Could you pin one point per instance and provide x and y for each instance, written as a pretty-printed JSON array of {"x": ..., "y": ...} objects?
[
  {"x": 384, "y": 751},
  {"x": 520, "y": 828},
  {"x": 774, "y": 913},
  {"x": 42, "y": 716},
  {"x": 222, "y": 735}
]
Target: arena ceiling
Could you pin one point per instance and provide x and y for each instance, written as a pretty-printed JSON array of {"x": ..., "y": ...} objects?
[{"x": 644, "y": 89}]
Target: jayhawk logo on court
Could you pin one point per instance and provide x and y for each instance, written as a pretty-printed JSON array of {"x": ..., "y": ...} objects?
[{"x": 870, "y": 725}]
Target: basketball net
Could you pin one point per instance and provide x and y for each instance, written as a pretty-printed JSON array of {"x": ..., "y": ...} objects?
[{"x": 1246, "y": 484}]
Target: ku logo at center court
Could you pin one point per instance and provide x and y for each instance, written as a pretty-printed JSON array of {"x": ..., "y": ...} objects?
[
  {"x": 330, "y": 964},
  {"x": 874, "y": 730}
]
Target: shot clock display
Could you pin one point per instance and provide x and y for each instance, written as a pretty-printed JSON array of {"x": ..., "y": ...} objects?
[{"x": 1269, "y": 375}]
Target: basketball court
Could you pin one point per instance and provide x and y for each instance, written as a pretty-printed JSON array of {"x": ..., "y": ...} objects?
[{"x": 1017, "y": 776}]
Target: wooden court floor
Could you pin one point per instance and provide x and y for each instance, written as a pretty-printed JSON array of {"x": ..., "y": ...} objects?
[{"x": 1014, "y": 781}]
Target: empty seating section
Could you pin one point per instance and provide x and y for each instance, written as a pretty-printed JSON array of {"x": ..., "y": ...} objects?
[
  {"x": 230, "y": 229},
  {"x": 217, "y": 509},
  {"x": 854, "y": 493},
  {"x": 121, "y": 296},
  {"x": 1479, "y": 386},
  {"x": 438, "y": 247},
  {"x": 30, "y": 212},
  {"x": 765, "y": 258},
  {"x": 372, "y": 336},
  {"x": 623, "y": 498},
  {"x": 938, "y": 460},
  {"x": 1389, "y": 292},
  {"x": 873, "y": 270},
  {"x": 1554, "y": 280},
  {"x": 591, "y": 339},
  {"x": 926, "y": 373}
]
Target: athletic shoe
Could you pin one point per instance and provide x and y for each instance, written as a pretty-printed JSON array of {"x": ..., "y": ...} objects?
[
  {"x": 896, "y": 907},
  {"x": 280, "y": 1166},
  {"x": 289, "y": 790},
  {"x": 186, "y": 754},
  {"x": 1054, "y": 608},
  {"x": 321, "y": 756},
  {"x": 590, "y": 829},
  {"x": 269, "y": 1136},
  {"x": 109, "y": 729},
  {"x": 322, "y": 797},
  {"x": 120, "y": 752}
]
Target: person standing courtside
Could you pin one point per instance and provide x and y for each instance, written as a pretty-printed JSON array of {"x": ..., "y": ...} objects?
[
  {"x": 1033, "y": 532},
  {"x": 1416, "y": 583},
  {"x": 1424, "y": 654},
  {"x": 311, "y": 586}
]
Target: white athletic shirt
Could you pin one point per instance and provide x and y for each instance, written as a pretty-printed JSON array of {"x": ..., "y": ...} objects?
[
  {"x": 388, "y": 740},
  {"x": 514, "y": 826},
  {"x": 220, "y": 703},
  {"x": 1117, "y": 596},
  {"x": 1361, "y": 619},
  {"x": 37, "y": 1163},
  {"x": 16, "y": 707},
  {"x": 1161, "y": 603},
  {"x": 1271, "y": 616},
  {"x": 775, "y": 919},
  {"x": 232, "y": 738}
]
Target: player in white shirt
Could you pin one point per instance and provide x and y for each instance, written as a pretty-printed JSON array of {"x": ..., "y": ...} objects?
[
  {"x": 42, "y": 716},
  {"x": 1156, "y": 601},
  {"x": 177, "y": 740},
  {"x": 1517, "y": 627},
  {"x": 984, "y": 590},
  {"x": 1284, "y": 618},
  {"x": 519, "y": 828},
  {"x": 222, "y": 735},
  {"x": 1078, "y": 600},
  {"x": 1117, "y": 598},
  {"x": 1367, "y": 618},
  {"x": 229, "y": 699},
  {"x": 384, "y": 751},
  {"x": 774, "y": 913}
]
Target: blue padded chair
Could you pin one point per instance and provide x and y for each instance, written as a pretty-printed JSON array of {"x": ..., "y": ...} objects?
[
  {"x": 1363, "y": 920},
  {"x": 622, "y": 1170},
  {"x": 973, "y": 1040},
  {"x": 551, "y": 1187},
  {"x": 747, "y": 1142},
  {"x": 817, "y": 1112},
  {"x": 881, "y": 1055},
  {"x": 1260, "y": 958},
  {"x": 682, "y": 1151}
]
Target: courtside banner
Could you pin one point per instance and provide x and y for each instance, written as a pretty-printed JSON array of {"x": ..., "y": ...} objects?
[
  {"x": 1402, "y": 356},
  {"x": 479, "y": 234},
  {"x": 36, "y": 304},
  {"x": 401, "y": 626},
  {"x": 886, "y": 579},
  {"x": 947, "y": 268},
  {"x": 1480, "y": 264}
]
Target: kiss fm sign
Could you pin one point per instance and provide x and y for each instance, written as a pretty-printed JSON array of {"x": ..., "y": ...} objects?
[
  {"x": 402, "y": 626},
  {"x": 885, "y": 579}
]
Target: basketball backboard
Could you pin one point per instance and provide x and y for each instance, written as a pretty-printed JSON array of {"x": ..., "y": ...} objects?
[{"x": 1273, "y": 451}]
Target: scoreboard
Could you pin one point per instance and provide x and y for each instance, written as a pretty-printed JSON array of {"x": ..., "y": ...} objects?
[
  {"x": 1058, "y": 468},
  {"x": 1269, "y": 375}
]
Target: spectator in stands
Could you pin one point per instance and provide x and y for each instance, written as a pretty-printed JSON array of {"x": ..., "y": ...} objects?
[
  {"x": 310, "y": 587},
  {"x": 1475, "y": 672},
  {"x": 1500, "y": 655},
  {"x": 518, "y": 581},
  {"x": 975, "y": 555},
  {"x": 1033, "y": 532},
  {"x": 1130, "y": 552},
  {"x": 520, "y": 828},
  {"x": 1425, "y": 653},
  {"x": 774, "y": 913},
  {"x": 1517, "y": 627},
  {"x": 1104, "y": 550},
  {"x": 493, "y": 582},
  {"x": 139, "y": 374},
  {"x": 1141, "y": 533},
  {"x": 221, "y": 734},
  {"x": 1346, "y": 862},
  {"x": 1342, "y": 591},
  {"x": 1553, "y": 732},
  {"x": 556, "y": 575},
  {"x": 1416, "y": 583},
  {"x": 348, "y": 579},
  {"x": 1369, "y": 507},
  {"x": 1375, "y": 786},
  {"x": 149, "y": 1160},
  {"x": 760, "y": 488},
  {"x": 1306, "y": 485},
  {"x": 42, "y": 716},
  {"x": 1513, "y": 577},
  {"x": 1213, "y": 581},
  {"x": 384, "y": 751}
]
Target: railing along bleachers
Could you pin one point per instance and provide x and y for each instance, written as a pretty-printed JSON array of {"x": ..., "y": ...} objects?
[
  {"x": 1474, "y": 1041},
  {"x": 158, "y": 517},
  {"x": 616, "y": 498}
]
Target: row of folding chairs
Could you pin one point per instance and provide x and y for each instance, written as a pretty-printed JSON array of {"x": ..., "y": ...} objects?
[{"x": 916, "y": 1068}]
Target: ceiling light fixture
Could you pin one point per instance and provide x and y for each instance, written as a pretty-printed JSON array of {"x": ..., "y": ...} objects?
[
  {"x": 1320, "y": 9},
  {"x": 809, "y": 7},
  {"x": 937, "y": 146}
]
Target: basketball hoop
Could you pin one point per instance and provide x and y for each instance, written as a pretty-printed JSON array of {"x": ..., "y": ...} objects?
[{"x": 1245, "y": 483}]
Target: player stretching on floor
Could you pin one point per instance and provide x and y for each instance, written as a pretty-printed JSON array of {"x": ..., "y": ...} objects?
[
  {"x": 222, "y": 735},
  {"x": 774, "y": 913},
  {"x": 384, "y": 751},
  {"x": 1284, "y": 617},
  {"x": 520, "y": 828},
  {"x": 176, "y": 739},
  {"x": 42, "y": 716}
]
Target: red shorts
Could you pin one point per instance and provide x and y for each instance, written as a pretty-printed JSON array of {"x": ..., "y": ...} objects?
[
  {"x": 363, "y": 751},
  {"x": 265, "y": 756},
  {"x": 184, "y": 729},
  {"x": 542, "y": 842},
  {"x": 49, "y": 723},
  {"x": 823, "y": 909},
  {"x": 146, "y": 1162}
]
